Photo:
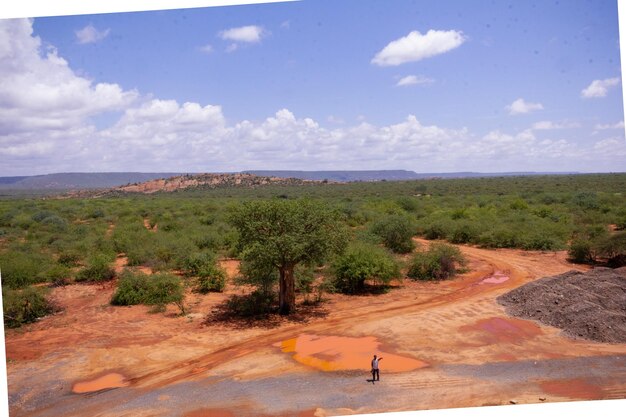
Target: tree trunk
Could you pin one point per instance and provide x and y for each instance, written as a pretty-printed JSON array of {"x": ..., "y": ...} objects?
[{"x": 287, "y": 293}]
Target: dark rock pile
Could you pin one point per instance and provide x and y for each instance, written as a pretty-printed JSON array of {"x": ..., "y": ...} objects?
[{"x": 590, "y": 305}]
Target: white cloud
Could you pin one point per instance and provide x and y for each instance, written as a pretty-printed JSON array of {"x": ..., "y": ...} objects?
[
  {"x": 520, "y": 106},
  {"x": 413, "y": 80},
  {"x": 45, "y": 126},
  {"x": 207, "y": 49},
  {"x": 599, "y": 88},
  {"x": 549, "y": 125},
  {"x": 89, "y": 34},
  {"x": 618, "y": 125},
  {"x": 335, "y": 120},
  {"x": 246, "y": 34},
  {"x": 286, "y": 24},
  {"x": 39, "y": 91},
  {"x": 415, "y": 47}
]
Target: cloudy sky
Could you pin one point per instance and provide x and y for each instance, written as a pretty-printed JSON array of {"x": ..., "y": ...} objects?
[{"x": 430, "y": 86}]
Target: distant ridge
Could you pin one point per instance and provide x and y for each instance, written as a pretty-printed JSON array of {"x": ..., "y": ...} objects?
[
  {"x": 80, "y": 180},
  {"x": 103, "y": 180},
  {"x": 341, "y": 176},
  {"x": 388, "y": 175}
]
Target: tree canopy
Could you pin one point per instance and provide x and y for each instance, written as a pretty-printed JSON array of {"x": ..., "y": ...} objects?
[{"x": 285, "y": 233}]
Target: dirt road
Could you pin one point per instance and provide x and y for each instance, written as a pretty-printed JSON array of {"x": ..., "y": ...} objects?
[{"x": 446, "y": 344}]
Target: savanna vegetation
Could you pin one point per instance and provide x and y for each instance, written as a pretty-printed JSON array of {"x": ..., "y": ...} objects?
[{"x": 296, "y": 239}]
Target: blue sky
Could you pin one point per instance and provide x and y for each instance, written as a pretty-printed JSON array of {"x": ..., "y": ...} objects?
[{"x": 457, "y": 86}]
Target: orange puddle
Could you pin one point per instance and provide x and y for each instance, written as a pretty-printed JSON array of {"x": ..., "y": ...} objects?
[
  {"x": 221, "y": 412},
  {"x": 500, "y": 330},
  {"x": 112, "y": 380},
  {"x": 577, "y": 388},
  {"x": 338, "y": 353},
  {"x": 496, "y": 278}
]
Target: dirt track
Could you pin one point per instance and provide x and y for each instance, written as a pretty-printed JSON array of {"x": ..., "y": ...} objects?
[{"x": 474, "y": 354}]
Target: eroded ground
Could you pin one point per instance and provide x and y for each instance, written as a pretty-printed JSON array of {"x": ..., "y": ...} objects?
[{"x": 445, "y": 344}]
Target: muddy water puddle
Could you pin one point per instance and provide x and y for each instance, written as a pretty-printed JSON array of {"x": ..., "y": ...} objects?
[
  {"x": 108, "y": 381},
  {"x": 340, "y": 353},
  {"x": 502, "y": 330},
  {"x": 497, "y": 277}
]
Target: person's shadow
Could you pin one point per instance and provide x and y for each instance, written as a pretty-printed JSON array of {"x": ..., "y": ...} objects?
[{"x": 371, "y": 380}]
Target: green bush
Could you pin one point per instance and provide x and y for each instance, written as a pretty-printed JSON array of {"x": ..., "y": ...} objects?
[
  {"x": 363, "y": 262},
  {"x": 98, "y": 270},
  {"x": 439, "y": 262},
  {"x": 24, "y": 306},
  {"x": 613, "y": 248},
  {"x": 58, "y": 275},
  {"x": 262, "y": 275},
  {"x": 69, "y": 258},
  {"x": 210, "y": 277},
  {"x": 396, "y": 233},
  {"x": 132, "y": 289},
  {"x": 20, "y": 269},
  {"x": 157, "y": 290},
  {"x": 580, "y": 252}
]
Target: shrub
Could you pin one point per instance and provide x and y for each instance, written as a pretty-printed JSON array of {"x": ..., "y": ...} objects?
[
  {"x": 437, "y": 230},
  {"x": 259, "y": 274},
  {"x": 305, "y": 277},
  {"x": 210, "y": 276},
  {"x": 58, "y": 275},
  {"x": 396, "y": 233},
  {"x": 439, "y": 262},
  {"x": 98, "y": 270},
  {"x": 20, "y": 269},
  {"x": 55, "y": 222},
  {"x": 464, "y": 232},
  {"x": 24, "y": 306},
  {"x": 131, "y": 289},
  {"x": 613, "y": 248},
  {"x": 69, "y": 258},
  {"x": 363, "y": 262},
  {"x": 157, "y": 290},
  {"x": 580, "y": 252}
]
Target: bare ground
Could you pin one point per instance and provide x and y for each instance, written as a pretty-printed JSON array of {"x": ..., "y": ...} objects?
[{"x": 474, "y": 353}]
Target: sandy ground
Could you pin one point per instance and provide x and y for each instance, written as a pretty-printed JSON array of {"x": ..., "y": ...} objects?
[{"x": 447, "y": 344}]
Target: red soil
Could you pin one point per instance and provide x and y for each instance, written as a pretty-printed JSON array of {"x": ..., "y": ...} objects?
[{"x": 451, "y": 322}]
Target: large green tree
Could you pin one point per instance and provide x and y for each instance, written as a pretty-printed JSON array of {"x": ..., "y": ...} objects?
[{"x": 285, "y": 233}]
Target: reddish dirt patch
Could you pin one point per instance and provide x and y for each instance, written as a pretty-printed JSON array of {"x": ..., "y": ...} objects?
[
  {"x": 577, "y": 388},
  {"x": 112, "y": 380},
  {"x": 230, "y": 266},
  {"x": 209, "y": 412},
  {"x": 500, "y": 330},
  {"x": 497, "y": 277},
  {"x": 338, "y": 353},
  {"x": 146, "y": 224}
]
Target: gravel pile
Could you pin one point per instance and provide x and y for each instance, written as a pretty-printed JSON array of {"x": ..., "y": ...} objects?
[{"x": 590, "y": 305}]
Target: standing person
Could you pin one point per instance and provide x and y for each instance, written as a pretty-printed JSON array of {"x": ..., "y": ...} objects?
[{"x": 375, "y": 371}]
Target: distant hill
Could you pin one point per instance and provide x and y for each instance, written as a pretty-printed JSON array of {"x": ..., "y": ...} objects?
[
  {"x": 79, "y": 180},
  {"x": 389, "y": 175},
  {"x": 342, "y": 176},
  {"x": 210, "y": 181},
  {"x": 105, "y": 180}
]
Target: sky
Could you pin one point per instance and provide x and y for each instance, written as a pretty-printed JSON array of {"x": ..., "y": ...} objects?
[{"x": 423, "y": 85}]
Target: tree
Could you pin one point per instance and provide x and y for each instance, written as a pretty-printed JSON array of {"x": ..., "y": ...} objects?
[{"x": 285, "y": 233}]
